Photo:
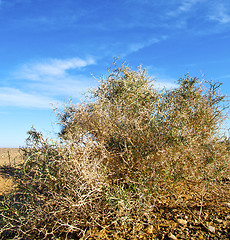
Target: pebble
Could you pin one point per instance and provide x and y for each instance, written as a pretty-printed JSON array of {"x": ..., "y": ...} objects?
[
  {"x": 219, "y": 220},
  {"x": 182, "y": 221},
  {"x": 171, "y": 236},
  {"x": 211, "y": 229},
  {"x": 226, "y": 204},
  {"x": 149, "y": 229}
]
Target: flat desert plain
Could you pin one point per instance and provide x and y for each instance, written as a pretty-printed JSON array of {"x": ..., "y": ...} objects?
[{"x": 8, "y": 157}]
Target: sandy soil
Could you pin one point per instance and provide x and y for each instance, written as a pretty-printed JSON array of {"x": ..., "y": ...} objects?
[{"x": 8, "y": 156}]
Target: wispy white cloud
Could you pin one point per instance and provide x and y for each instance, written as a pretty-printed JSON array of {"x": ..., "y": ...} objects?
[
  {"x": 54, "y": 77},
  {"x": 160, "y": 84},
  {"x": 16, "y": 97},
  {"x": 160, "y": 78},
  {"x": 46, "y": 23},
  {"x": 224, "y": 77},
  {"x": 135, "y": 47},
  {"x": 138, "y": 46},
  {"x": 65, "y": 86},
  {"x": 184, "y": 7},
  {"x": 221, "y": 14},
  {"x": 187, "y": 5},
  {"x": 47, "y": 81},
  {"x": 195, "y": 16},
  {"x": 52, "y": 68},
  {"x": 214, "y": 10}
]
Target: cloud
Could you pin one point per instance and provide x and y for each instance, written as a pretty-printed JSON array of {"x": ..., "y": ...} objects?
[
  {"x": 223, "y": 77},
  {"x": 160, "y": 78},
  {"x": 62, "y": 86},
  {"x": 56, "y": 77},
  {"x": 138, "y": 46},
  {"x": 135, "y": 47},
  {"x": 215, "y": 10},
  {"x": 196, "y": 17},
  {"x": 41, "y": 83},
  {"x": 44, "y": 23},
  {"x": 165, "y": 84},
  {"x": 52, "y": 68},
  {"x": 16, "y": 97},
  {"x": 184, "y": 7},
  {"x": 220, "y": 14},
  {"x": 187, "y": 5}
]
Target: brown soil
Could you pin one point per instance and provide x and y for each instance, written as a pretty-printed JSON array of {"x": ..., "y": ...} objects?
[{"x": 9, "y": 157}]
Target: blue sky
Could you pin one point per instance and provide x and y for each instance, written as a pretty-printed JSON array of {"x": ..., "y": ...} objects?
[{"x": 49, "y": 49}]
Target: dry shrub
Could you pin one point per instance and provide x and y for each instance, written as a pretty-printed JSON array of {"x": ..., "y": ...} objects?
[
  {"x": 60, "y": 192},
  {"x": 122, "y": 151},
  {"x": 171, "y": 132}
]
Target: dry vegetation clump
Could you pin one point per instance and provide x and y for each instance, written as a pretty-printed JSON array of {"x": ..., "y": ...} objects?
[{"x": 132, "y": 161}]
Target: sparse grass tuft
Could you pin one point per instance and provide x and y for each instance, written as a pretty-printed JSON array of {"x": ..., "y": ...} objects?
[{"x": 128, "y": 157}]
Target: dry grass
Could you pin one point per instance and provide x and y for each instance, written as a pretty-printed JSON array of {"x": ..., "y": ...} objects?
[
  {"x": 9, "y": 157},
  {"x": 132, "y": 163}
]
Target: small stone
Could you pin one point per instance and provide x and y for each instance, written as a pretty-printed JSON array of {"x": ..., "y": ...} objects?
[
  {"x": 211, "y": 229},
  {"x": 171, "y": 236},
  {"x": 149, "y": 229},
  {"x": 226, "y": 204},
  {"x": 182, "y": 221},
  {"x": 219, "y": 220}
]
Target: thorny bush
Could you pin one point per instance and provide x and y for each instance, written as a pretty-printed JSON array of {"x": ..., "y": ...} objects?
[{"x": 122, "y": 149}]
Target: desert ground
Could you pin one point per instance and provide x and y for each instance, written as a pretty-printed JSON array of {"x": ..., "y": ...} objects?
[{"x": 8, "y": 157}]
